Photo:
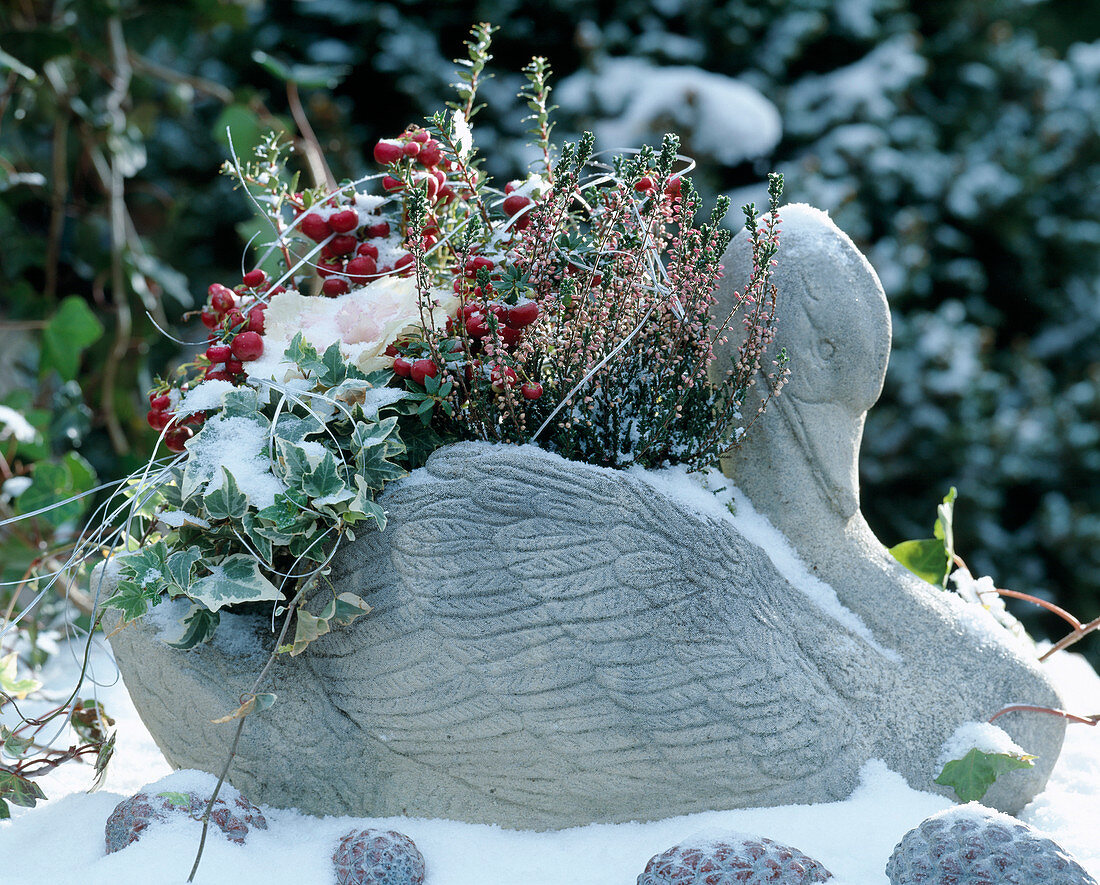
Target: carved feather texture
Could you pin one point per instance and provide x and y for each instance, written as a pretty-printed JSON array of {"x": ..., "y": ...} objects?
[{"x": 534, "y": 619}]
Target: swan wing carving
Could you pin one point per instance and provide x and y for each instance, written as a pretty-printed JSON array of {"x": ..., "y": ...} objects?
[{"x": 558, "y": 618}]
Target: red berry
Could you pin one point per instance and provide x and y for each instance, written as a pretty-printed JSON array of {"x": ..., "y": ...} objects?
[
  {"x": 476, "y": 327},
  {"x": 391, "y": 350},
  {"x": 314, "y": 227},
  {"x": 159, "y": 402},
  {"x": 674, "y": 187},
  {"x": 328, "y": 268},
  {"x": 516, "y": 203},
  {"x": 334, "y": 286},
  {"x": 510, "y": 186},
  {"x": 420, "y": 136},
  {"x": 218, "y": 353},
  {"x": 402, "y": 367},
  {"x": 221, "y": 298},
  {"x": 361, "y": 269},
  {"x": 422, "y": 369},
  {"x": 176, "y": 438},
  {"x": 219, "y": 375},
  {"x": 248, "y": 346},
  {"x": 209, "y": 319},
  {"x": 403, "y": 262},
  {"x": 446, "y": 193},
  {"x": 410, "y": 148},
  {"x": 367, "y": 249},
  {"x": 387, "y": 151},
  {"x": 233, "y": 319},
  {"x": 256, "y": 319},
  {"x": 195, "y": 419},
  {"x": 158, "y": 419},
  {"x": 344, "y": 221},
  {"x": 342, "y": 245},
  {"x": 523, "y": 314},
  {"x": 381, "y": 229},
  {"x": 475, "y": 264},
  {"x": 254, "y": 278},
  {"x": 430, "y": 154},
  {"x": 501, "y": 377},
  {"x": 531, "y": 390},
  {"x": 510, "y": 336},
  {"x": 390, "y": 183},
  {"x": 234, "y": 367},
  {"x": 643, "y": 184}
]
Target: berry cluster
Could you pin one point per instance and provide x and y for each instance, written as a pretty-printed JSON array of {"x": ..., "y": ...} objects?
[
  {"x": 490, "y": 321},
  {"x": 358, "y": 247},
  {"x": 235, "y": 318},
  {"x": 418, "y": 159}
]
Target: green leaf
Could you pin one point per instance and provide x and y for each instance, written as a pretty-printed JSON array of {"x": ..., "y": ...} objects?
[
  {"x": 106, "y": 751},
  {"x": 236, "y": 579},
  {"x": 10, "y": 683},
  {"x": 931, "y": 558},
  {"x": 132, "y": 600},
  {"x": 335, "y": 368},
  {"x": 288, "y": 514},
  {"x": 227, "y": 501},
  {"x": 69, "y": 332},
  {"x": 54, "y": 481},
  {"x": 344, "y": 609},
  {"x": 307, "y": 628},
  {"x": 179, "y": 800},
  {"x": 323, "y": 480},
  {"x": 926, "y": 559},
  {"x": 308, "y": 76},
  {"x": 241, "y": 403},
  {"x": 13, "y": 745},
  {"x": 18, "y": 790},
  {"x": 304, "y": 355},
  {"x": 88, "y": 719},
  {"x": 293, "y": 429},
  {"x": 975, "y": 773},
  {"x": 199, "y": 625}
]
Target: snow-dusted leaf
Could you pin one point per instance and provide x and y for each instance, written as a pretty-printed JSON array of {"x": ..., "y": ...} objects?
[
  {"x": 236, "y": 579},
  {"x": 975, "y": 773},
  {"x": 242, "y": 403},
  {"x": 294, "y": 429}
]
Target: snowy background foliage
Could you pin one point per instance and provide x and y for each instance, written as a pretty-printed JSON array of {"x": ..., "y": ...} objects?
[{"x": 957, "y": 141}]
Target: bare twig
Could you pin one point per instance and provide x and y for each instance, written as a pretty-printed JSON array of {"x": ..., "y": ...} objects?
[
  {"x": 1030, "y": 708},
  {"x": 315, "y": 157}
]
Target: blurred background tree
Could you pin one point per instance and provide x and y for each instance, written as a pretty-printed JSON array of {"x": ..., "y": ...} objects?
[{"x": 957, "y": 141}]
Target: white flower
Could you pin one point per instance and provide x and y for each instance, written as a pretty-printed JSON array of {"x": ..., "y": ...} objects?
[{"x": 364, "y": 322}]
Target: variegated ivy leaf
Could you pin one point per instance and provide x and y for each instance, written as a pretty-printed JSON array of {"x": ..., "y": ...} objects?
[
  {"x": 322, "y": 480},
  {"x": 289, "y": 514},
  {"x": 199, "y": 625},
  {"x": 243, "y": 402},
  {"x": 180, "y": 565},
  {"x": 344, "y": 609},
  {"x": 363, "y": 506},
  {"x": 227, "y": 501},
  {"x": 294, "y": 429},
  {"x": 146, "y": 567},
  {"x": 10, "y": 683},
  {"x": 236, "y": 579}
]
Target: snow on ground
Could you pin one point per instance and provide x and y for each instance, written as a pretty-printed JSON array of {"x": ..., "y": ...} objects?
[{"x": 61, "y": 841}]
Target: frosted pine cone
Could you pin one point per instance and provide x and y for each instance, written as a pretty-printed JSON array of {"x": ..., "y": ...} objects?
[
  {"x": 133, "y": 816},
  {"x": 975, "y": 845},
  {"x": 378, "y": 857},
  {"x": 745, "y": 860}
]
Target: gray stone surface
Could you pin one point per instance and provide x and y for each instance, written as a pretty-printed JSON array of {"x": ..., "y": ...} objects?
[{"x": 553, "y": 644}]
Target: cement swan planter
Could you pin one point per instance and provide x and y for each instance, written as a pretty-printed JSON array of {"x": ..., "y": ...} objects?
[{"x": 554, "y": 644}]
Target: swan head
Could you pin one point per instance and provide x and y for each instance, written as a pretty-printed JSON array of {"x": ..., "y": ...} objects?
[{"x": 834, "y": 323}]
